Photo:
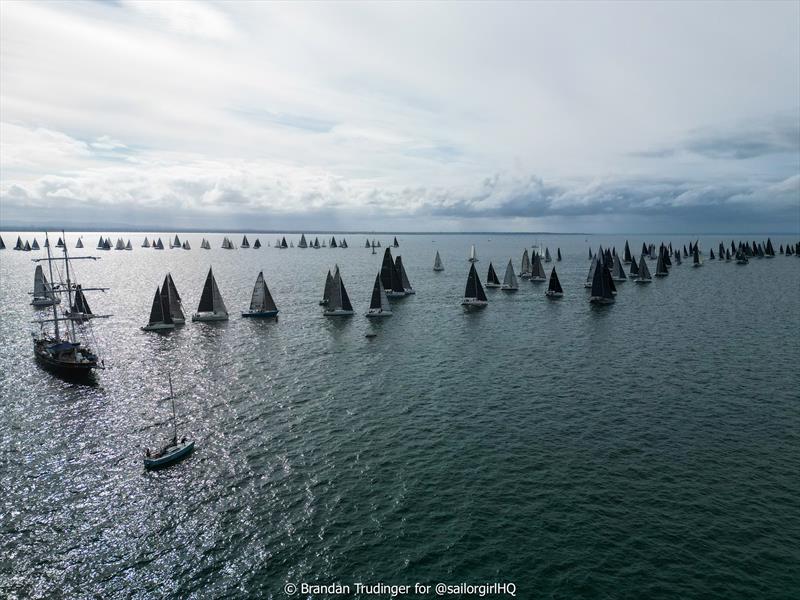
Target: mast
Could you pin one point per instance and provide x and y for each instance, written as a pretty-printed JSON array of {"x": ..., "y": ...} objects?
[
  {"x": 174, "y": 420},
  {"x": 50, "y": 267},
  {"x": 69, "y": 285}
]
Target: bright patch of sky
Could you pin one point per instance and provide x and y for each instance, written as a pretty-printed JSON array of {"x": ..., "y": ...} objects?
[{"x": 571, "y": 116}]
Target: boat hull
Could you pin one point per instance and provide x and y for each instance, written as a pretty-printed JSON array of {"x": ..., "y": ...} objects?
[
  {"x": 392, "y": 294},
  {"x": 506, "y": 288},
  {"x": 538, "y": 279},
  {"x": 550, "y": 294},
  {"x": 64, "y": 368},
  {"x": 492, "y": 285},
  {"x": 470, "y": 304},
  {"x": 338, "y": 313},
  {"x": 642, "y": 280},
  {"x": 209, "y": 317},
  {"x": 181, "y": 452},
  {"x": 601, "y": 300},
  {"x": 260, "y": 315},
  {"x": 46, "y": 302},
  {"x": 376, "y": 314},
  {"x": 159, "y": 327}
]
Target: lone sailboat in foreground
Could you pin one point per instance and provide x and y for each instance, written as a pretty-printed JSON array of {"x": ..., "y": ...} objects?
[
  {"x": 173, "y": 451},
  {"x": 261, "y": 304},
  {"x": 554, "y": 289},
  {"x": 379, "y": 304}
]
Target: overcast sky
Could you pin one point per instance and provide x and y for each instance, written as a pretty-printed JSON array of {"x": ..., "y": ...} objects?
[{"x": 653, "y": 117}]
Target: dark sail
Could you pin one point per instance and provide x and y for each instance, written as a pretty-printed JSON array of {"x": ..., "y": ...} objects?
[
  {"x": 696, "y": 256},
  {"x": 345, "y": 299},
  {"x": 156, "y": 312},
  {"x": 283, "y": 243},
  {"x": 377, "y": 292},
  {"x": 491, "y": 276},
  {"x": 474, "y": 288},
  {"x": 257, "y": 244},
  {"x": 661, "y": 266},
  {"x": 401, "y": 271},
  {"x": 627, "y": 256},
  {"x": 333, "y": 242},
  {"x": 555, "y": 284},
  {"x": 396, "y": 245},
  {"x": 711, "y": 254},
  {"x": 389, "y": 276},
  {"x": 634, "y": 271},
  {"x": 558, "y": 254},
  {"x": 770, "y": 251},
  {"x": 80, "y": 305},
  {"x": 590, "y": 253},
  {"x": 207, "y": 297},
  {"x": 600, "y": 283},
  {"x": 326, "y": 294}
]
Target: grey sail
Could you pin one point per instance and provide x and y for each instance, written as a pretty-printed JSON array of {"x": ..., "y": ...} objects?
[
  {"x": 3, "y": 244},
  {"x": 326, "y": 293},
  {"x": 245, "y": 243},
  {"x": 35, "y": 245},
  {"x": 303, "y": 243},
  {"x": 156, "y": 312},
  {"x": 537, "y": 269},
  {"x": 376, "y": 301},
  {"x": 80, "y": 305},
  {"x": 510, "y": 278},
  {"x": 79, "y": 244},
  {"x": 284, "y": 245},
  {"x": 592, "y": 270},
  {"x": 491, "y": 276},
  {"x": 547, "y": 257},
  {"x": 42, "y": 289},
  {"x": 176, "y": 243},
  {"x": 634, "y": 270},
  {"x": 257, "y": 244},
  {"x": 437, "y": 263},
  {"x": 661, "y": 265},
  {"x": 261, "y": 300},
  {"x": 525, "y": 269},
  {"x": 367, "y": 244},
  {"x": 339, "y": 301}
]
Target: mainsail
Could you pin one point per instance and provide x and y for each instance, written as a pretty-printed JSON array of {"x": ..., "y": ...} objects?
[
  {"x": 510, "y": 278},
  {"x": 474, "y": 289},
  {"x": 173, "y": 299},
  {"x": 80, "y": 306},
  {"x": 379, "y": 303},
  {"x": 211, "y": 299},
  {"x": 303, "y": 243},
  {"x": 537, "y": 269},
  {"x": 491, "y": 276},
  {"x": 401, "y": 271},
  {"x": 42, "y": 290},
  {"x": 326, "y": 293},
  {"x": 644, "y": 272},
  {"x": 626, "y": 258},
  {"x": 554, "y": 287},
  {"x": 601, "y": 291},
  {"x": 525, "y": 270},
  {"x": 391, "y": 279},
  {"x": 257, "y": 244},
  {"x": 262, "y": 301},
  {"x": 437, "y": 262},
  {"x": 547, "y": 257},
  {"x": 618, "y": 272}
]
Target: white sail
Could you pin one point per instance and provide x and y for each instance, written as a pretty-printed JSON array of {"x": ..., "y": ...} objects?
[{"x": 473, "y": 255}]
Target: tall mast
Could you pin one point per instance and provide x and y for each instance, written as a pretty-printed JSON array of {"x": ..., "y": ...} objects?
[
  {"x": 174, "y": 421},
  {"x": 50, "y": 267},
  {"x": 69, "y": 285}
]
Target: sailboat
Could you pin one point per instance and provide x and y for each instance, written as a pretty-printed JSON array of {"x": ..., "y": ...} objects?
[
  {"x": 391, "y": 279},
  {"x": 316, "y": 243},
  {"x": 333, "y": 242},
  {"x": 379, "y": 304},
  {"x": 769, "y": 252},
  {"x": 80, "y": 310},
  {"x": 661, "y": 265},
  {"x": 186, "y": 245},
  {"x": 120, "y": 244},
  {"x": 174, "y": 450},
  {"x": 401, "y": 270},
  {"x": 303, "y": 243},
  {"x": 558, "y": 254},
  {"x": 284, "y": 245},
  {"x": 35, "y": 245},
  {"x": 42, "y": 290},
  {"x": 474, "y": 296},
  {"x": 634, "y": 270},
  {"x": 554, "y": 287},
  {"x": 205, "y": 244},
  {"x": 128, "y": 246},
  {"x": 160, "y": 316},
  {"x": 626, "y": 257},
  {"x": 592, "y": 268},
  {"x": 63, "y": 352},
  {"x": 396, "y": 244},
  {"x": 27, "y": 246},
  {"x": 173, "y": 300},
  {"x": 437, "y": 263},
  {"x": 245, "y": 243},
  {"x": 644, "y": 272},
  {"x": 60, "y": 243},
  {"x": 711, "y": 254},
  {"x": 3, "y": 244},
  {"x": 525, "y": 268},
  {"x": 211, "y": 307},
  {"x": 343, "y": 243},
  {"x": 510, "y": 279},
  {"x": 618, "y": 271},
  {"x": 257, "y": 244},
  {"x": 261, "y": 303},
  {"x": 323, "y": 244},
  {"x": 339, "y": 302},
  {"x": 537, "y": 269},
  {"x": 146, "y": 243},
  {"x": 547, "y": 257},
  {"x": 159, "y": 245},
  {"x": 176, "y": 243},
  {"x": 473, "y": 256},
  {"x": 696, "y": 262},
  {"x": 601, "y": 286},
  {"x": 80, "y": 243},
  {"x": 491, "y": 278}
]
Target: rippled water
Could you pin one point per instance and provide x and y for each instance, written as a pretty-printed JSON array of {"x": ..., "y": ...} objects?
[{"x": 649, "y": 449}]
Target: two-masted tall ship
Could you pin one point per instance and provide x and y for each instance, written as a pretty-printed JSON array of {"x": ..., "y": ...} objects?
[{"x": 63, "y": 350}]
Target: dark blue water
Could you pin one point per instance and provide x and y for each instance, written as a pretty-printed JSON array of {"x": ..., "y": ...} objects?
[{"x": 648, "y": 449}]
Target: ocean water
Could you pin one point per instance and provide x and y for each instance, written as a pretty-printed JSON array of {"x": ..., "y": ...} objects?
[{"x": 647, "y": 449}]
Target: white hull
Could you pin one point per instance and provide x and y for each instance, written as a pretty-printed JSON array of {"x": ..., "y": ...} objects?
[
  {"x": 538, "y": 279},
  {"x": 391, "y": 294},
  {"x": 471, "y": 303},
  {"x": 440, "y": 269},
  {"x": 372, "y": 314},
  {"x": 492, "y": 285},
  {"x": 46, "y": 302},
  {"x": 209, "y": 316},
  {"x": 550, "y": 294},
  {"x": 337, "y": 313}
]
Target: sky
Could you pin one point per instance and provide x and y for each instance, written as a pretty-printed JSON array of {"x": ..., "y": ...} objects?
[{"x": 563, "y": 117}]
